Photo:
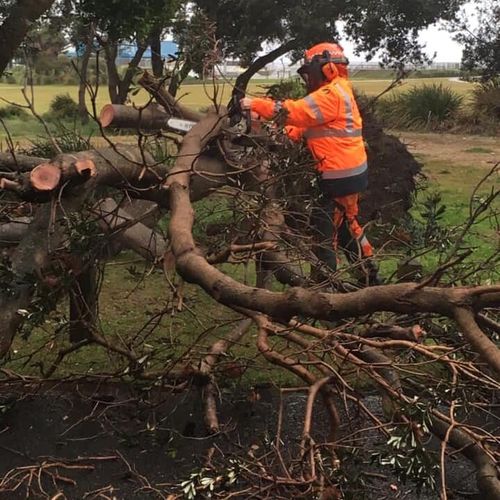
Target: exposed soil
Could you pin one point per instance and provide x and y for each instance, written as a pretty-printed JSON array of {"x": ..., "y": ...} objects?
[
  {"x": 141, "y": 444},
  {"x": 470, "y": 150}
]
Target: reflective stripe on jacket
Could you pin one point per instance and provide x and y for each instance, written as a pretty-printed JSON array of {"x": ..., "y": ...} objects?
[{"x": 330, "y": 121}]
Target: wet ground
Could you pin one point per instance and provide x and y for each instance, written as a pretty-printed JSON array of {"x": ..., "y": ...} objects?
[{"x": 88, "y": 442}]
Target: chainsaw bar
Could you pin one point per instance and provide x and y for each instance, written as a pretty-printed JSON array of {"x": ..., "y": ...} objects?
[{"x": 180, "y": 125}]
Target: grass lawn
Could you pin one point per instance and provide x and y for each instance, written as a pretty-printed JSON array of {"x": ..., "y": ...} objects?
[{"x": 198, "y": 95}]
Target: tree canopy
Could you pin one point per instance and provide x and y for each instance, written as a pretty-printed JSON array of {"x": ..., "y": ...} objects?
[
  {"x": 387, "y": 26},
  {"x": 18, "y": 17},
  {"x": 481, "y": 43}
]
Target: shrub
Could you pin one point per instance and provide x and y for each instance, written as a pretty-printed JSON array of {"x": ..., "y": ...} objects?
[
  {"x": 427, "y": 106},
  {"x": 63, "y": 107},
  {"x": 292, "y": 88},
  {"x": 12, "y": 112},
  {"x": 486, "y": 99},
  {"x": 68, "y": 140}
]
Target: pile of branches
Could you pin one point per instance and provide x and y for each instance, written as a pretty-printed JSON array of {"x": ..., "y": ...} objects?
[{"x": 429, "y": 347}]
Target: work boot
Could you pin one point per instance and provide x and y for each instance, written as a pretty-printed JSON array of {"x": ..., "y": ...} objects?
[
  {"x": 374, "y": 278},
  {"x": 368, "y": 274}
]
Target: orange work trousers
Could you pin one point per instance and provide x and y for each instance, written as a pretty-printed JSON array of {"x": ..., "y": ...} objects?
[{"x": 335, "y": 221}]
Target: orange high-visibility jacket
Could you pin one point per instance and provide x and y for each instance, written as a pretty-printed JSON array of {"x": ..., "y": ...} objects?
[{"x": 330, "y": 121}]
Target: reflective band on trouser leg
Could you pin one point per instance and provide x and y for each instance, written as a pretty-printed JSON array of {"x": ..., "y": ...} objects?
[
  {"x": 349, "y": 204},
  {"x": 366, "y": 250},
  {"x": 366, "y": 247}
]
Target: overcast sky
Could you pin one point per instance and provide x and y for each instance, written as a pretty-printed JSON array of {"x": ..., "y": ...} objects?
[{"x": 436, "y": 39}]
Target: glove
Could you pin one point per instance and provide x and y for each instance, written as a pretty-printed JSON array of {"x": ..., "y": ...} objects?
[{"x": 246, "y": 103}]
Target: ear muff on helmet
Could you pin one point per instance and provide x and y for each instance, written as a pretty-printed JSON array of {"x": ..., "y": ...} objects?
[
  {"x": 322, "y": 67},
  {"x": 330, "y": 71}
]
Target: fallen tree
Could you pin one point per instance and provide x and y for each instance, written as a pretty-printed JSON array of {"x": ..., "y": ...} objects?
[{"x": 324, "y": 334}]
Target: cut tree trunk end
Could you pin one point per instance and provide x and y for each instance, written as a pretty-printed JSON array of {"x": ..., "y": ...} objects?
[{"x": 45, "y": 177}]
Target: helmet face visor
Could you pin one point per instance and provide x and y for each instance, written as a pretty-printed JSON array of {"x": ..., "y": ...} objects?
[
  {"x": 311, "y": 75},
  {"x": 303, "y": 71}
]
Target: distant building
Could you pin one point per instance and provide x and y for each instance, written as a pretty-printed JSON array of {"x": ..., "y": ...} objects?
[{"x": 126, "y": 52}]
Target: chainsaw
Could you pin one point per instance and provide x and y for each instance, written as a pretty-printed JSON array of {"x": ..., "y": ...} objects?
[{"x": 240, "y": 121}]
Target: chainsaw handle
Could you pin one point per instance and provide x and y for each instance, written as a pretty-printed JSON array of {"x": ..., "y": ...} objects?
[
  {"x": 236, "y": 114},
  {"x": 247, "y": 115}
]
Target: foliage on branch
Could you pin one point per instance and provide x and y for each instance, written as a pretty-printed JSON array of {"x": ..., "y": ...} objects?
[
  {"x": 245, "y": 27},
  {"x": 481, "y": 44}
]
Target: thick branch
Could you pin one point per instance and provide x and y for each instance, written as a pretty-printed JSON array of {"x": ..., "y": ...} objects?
[
  {"x": 152, "y": 117},
  {"x": 487, "y": 478},
  {"x": 19, "y": 163},
  {"x": 132, "y": 234},
  {"x": 12, "y": 232},
  {"x": 171, "y": 105},
  {"x": 260, "y": 63},
  {"x": 479, "y": 341},
  {"x": 83, "y": 298},
  {"x": 206, "y": 369}
]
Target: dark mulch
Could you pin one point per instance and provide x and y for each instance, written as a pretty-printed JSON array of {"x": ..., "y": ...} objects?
[{"x": 137, "y": 441}]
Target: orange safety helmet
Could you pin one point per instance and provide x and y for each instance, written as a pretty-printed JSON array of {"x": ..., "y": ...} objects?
[{"x": 322, "y": 63}]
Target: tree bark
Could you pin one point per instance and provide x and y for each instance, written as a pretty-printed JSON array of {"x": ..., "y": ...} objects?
[
  {"x": 16, "y": 26},
  {"x": 156, "y": 55},
  {"x": 124, "y": 84},
  {"x": 11, "y": 233},
  {"x": 111, "y": 52},
  {"x": 122, "y": 167},
  {"x": 83, "y": 299},
  {"x": 178, "y": 78},
  {"x": 119, "y": 87},
  {"x": 166, "y": 99},
  {"x": 259, "y": 63},
  {"x": 82, "y": 105},
  {"x": 131, "y": 233},
  {"x": 152, "y": 117},
  {"x": 19, "y": 163}
]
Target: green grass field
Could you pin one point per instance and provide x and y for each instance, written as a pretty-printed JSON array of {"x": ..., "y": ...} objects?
[{"x": 198, "y": 95}]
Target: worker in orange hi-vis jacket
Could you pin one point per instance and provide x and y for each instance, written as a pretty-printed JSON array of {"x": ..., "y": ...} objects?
[{"x": 329, "y": 120}]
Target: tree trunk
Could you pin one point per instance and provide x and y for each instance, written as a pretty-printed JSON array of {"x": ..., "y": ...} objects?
[
  {"x": 19, "y": 163},
  {"x": 83, "y": 305},
  {"x": 17, "y": 24},
  {"x": 156, "y": 55},
  {"x": 82, "y": 106},
  {"x": 111, "y": 52},
  {"x": 152, "y": 117},
  {"x": 124, "y": 85},
  {"x": 178, "y": 78}
]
